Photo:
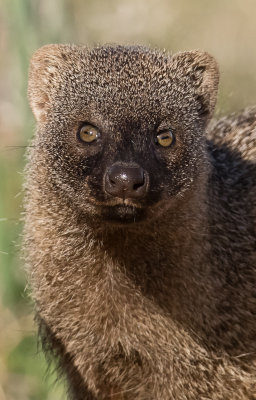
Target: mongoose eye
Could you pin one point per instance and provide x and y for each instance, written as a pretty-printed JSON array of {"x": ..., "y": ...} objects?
[
  {"x": 165, "y": 138},
  {"x": 88, "y": 133}
]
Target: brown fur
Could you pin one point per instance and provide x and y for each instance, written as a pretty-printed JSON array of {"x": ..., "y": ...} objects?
[{"x": 162, "y": 307}]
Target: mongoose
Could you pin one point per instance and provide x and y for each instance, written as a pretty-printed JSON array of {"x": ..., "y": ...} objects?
[{"x": 140, "y": 225}]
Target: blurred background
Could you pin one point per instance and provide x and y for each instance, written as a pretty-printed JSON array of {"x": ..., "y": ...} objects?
[{"x": 224, "y": 28}]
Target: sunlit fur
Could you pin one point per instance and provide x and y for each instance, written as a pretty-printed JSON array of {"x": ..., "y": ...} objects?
[{"x": 151, "y": 298}]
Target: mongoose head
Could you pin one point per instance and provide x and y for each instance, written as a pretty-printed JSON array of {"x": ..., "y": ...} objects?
[{"x": 120, "y": 129}]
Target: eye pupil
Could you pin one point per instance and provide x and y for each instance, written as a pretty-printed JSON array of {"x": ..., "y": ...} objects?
[
  {"x": 165, "y": 138},
  {"x": 88, "y": 133}
]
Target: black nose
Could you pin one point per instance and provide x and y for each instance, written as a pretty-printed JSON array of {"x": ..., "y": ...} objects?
[{"x": 126, "y": 181}]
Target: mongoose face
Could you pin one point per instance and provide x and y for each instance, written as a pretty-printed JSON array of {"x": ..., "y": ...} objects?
[{"x": 115, "y": 125}]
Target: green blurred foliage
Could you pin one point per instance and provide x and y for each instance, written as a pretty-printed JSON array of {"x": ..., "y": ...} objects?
[{"x": 225, "y": 28}]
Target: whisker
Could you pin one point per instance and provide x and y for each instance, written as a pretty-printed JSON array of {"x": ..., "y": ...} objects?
[{"x": 8, "y": 148}]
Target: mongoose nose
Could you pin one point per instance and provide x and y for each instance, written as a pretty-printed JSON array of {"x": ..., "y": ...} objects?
[{"x": 125, "y": 181}]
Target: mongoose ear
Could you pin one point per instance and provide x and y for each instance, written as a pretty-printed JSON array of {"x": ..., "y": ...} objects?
[
  {"x": 202, "y": 72},
  {"x": 46, "y": 67}
]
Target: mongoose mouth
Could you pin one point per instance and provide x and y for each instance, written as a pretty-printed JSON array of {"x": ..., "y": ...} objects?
[{"x": 122, "y": 213}]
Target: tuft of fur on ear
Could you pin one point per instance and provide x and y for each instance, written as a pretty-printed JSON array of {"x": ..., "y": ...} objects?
[
  {"x": 202, "y": 72},
  {"x": 46, "y": 66}
]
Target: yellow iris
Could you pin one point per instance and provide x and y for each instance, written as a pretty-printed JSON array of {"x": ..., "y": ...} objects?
[
  {"x": 165, "y": 138},
  {"x": 88, "y": 133}
]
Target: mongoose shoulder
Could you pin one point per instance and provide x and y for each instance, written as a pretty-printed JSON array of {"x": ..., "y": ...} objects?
[{"x": 140, "y": 225}]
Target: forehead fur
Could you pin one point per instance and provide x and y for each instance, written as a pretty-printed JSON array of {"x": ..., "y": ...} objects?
[{"x": 135, "y": 81}]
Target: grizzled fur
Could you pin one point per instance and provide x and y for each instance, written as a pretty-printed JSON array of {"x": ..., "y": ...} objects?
[{"x": 151, "y": 298}]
